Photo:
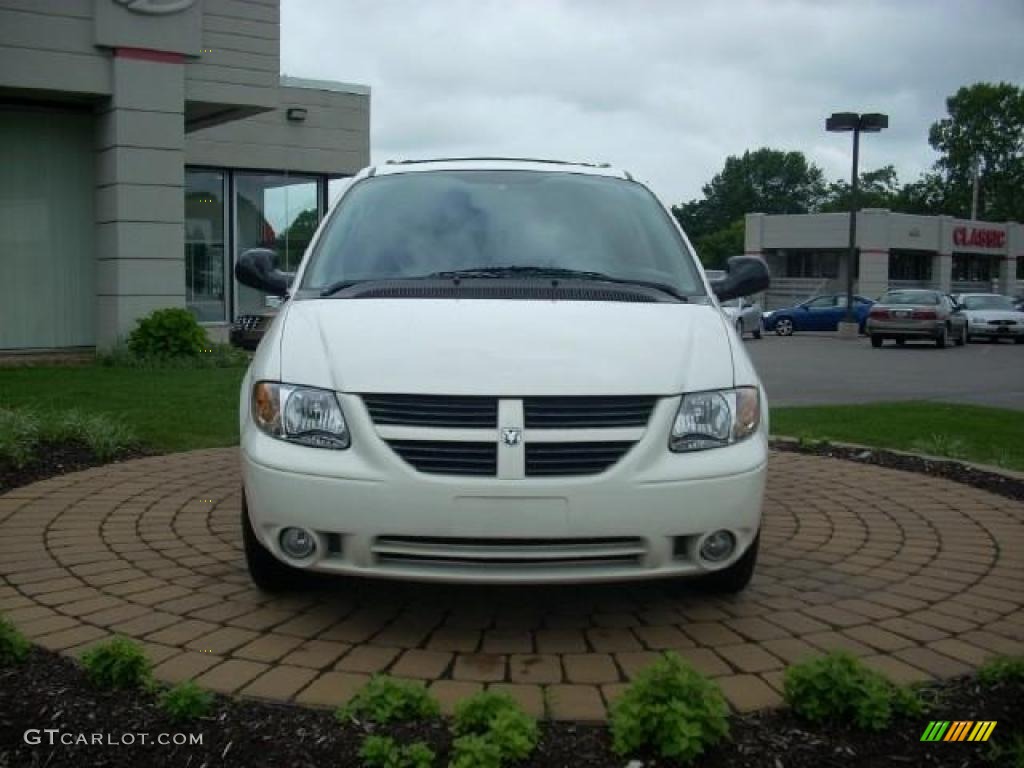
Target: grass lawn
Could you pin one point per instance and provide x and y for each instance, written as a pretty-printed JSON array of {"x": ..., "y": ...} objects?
[
  {"x": 170, "y": 409},
  {"x": 181, "y": 409},
  {"x": 970, "y": 432}
]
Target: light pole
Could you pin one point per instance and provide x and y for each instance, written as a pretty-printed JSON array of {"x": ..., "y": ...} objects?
[{"x": 840, "y": 122}]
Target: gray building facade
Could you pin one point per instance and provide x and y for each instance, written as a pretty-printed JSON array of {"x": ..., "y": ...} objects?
[{"x": 144, "y": 144}]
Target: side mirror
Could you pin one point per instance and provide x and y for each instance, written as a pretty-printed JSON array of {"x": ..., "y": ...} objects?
[
  {"x": 744, "y": 276},
  {"x": 255, "y": 268}
]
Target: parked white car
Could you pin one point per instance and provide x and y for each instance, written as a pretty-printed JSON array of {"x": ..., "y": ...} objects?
[
  {"x": 992, "y": 316},
  {"x": 501, "y": 371},
  {"x": 745, "y": 315}
]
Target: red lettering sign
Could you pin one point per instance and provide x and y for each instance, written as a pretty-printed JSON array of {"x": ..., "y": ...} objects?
[{"x": 979, "y": 238}]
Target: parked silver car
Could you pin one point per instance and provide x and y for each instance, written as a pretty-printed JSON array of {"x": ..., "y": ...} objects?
[
  {"x": 916, "y": 314},
  {"x": 991, "y": 316},
  {"x": 745, "y": 315}
]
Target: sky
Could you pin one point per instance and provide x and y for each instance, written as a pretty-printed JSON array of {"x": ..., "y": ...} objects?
[{"x": 666, "y": 90}]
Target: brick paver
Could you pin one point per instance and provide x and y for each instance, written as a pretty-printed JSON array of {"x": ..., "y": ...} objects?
[{"x": 898, "y": 568}]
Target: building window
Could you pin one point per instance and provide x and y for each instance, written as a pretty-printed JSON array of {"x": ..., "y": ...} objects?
[
  {"x": 973, "y": 268},
  {"x": 276, "y": 211},
  {"x": 817, "y": 264},
  {"x": 205, "y": 270},
  {"x": 910, "y": 265}
]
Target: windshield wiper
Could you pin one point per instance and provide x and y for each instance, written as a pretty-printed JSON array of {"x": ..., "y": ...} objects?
[
  {"x": 552, "y": 272},
  {"x": 340, "y": 285}
]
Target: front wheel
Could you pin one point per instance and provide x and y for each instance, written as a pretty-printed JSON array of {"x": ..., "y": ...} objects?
[
  {"x": 757, "y": 334},
  {"x": 784, "y": 326},
  {"x": 267, "y": 572},
  {"x": 876, "y": 341},
  {"x": 962, "y": 338},
  {"x": 737, "y": 576},
  {"x": 940, "y": 340}
]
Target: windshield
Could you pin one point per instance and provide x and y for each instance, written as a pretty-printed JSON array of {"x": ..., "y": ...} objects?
[
  {"x": 987, "y": 302},
  {"x": 412, "y": 225},
  {"x": 926, "y": 298}
]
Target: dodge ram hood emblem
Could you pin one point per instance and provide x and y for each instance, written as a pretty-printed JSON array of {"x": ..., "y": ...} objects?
[{"x": 511, "y": 436}]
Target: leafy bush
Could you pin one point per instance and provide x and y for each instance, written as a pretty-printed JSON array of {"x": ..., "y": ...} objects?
[
  {"x": 186, "y": 701},
  {"x": 168, "y": 333},
  {"x": 119, "y": 663},
  {"x": 496, "y": 719},
  {"x": 13, "y": 645},
  {"x": 473, "y": 751},
  {"x": 839, "y": 688},
  {"x": 941, "y": 445},
  {"x": 22, "y": 433},
  {"x": 1003, "y": 669},
  {"x": 385, "y": 752},
  {"x": 672, "y": 709},
  {"x": 386, "y": 700},
  {"x": 1006, "y": 751},
  {"x": 213, "y": 356}
]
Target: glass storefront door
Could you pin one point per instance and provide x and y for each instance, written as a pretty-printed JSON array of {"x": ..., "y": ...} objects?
[
  {"x": 205, "y": 270},
  {"x": 276, "y": 211}
]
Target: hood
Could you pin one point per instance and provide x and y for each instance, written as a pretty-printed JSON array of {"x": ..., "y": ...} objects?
[
  {"x": 987, "y": 315},
  {"x": 505, "y": 348}
]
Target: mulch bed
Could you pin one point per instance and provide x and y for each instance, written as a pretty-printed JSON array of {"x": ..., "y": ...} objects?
[
  {"x": 1010, "y": 487},
  {"x": 55, "y": 459},
  {"x": 51, "y": 691}
]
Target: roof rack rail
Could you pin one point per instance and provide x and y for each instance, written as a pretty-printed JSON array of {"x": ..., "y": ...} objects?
[{"x": 485, "y": 159}]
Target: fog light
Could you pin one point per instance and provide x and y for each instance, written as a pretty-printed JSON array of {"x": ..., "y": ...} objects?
[
  {"x": 718, "y": 546},
  {"x": 297, "y": 543}
]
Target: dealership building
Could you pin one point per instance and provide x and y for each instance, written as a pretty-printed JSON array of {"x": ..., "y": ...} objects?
[
  {"x": 807, "y": 253},
  {"x": 144, "y": 144}
]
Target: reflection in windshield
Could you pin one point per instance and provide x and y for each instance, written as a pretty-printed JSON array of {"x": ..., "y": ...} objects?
[
  {"x": 413, "y": 224},
  {"x": 926, "y": 298},
  {"x": 987, "y": 302}
]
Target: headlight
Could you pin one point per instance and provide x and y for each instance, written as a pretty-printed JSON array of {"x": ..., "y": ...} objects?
[
  {"x": 716, "y": 418},
  {"x": 304, "y": 415}
]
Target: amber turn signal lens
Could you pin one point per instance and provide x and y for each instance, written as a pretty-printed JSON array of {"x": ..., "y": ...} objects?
[{"x": 266, "y": 407}]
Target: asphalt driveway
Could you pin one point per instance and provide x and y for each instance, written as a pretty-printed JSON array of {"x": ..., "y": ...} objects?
[{"x": 821, "y": 369}]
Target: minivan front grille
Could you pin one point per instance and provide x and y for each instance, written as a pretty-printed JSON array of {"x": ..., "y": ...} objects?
[
  {"x": 587, "y": 412},
  {"x": 553, "y": 459},
  {"x": 506, "y": 553},
  {"x": 432, "y": 410},
  {"x": 448, "y": 457}
]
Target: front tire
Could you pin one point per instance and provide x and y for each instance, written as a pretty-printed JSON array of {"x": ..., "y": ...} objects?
[
  {"x": 876, "y": 341},
  {"x": 266, "y": 571},
  {"x": 784, "y": 326},
  {"x": 737, "y": 576},
  {"x": 940, "y": 340},
  {"x": 961, "y": 340},
  {"x": 757, "y": 334}
]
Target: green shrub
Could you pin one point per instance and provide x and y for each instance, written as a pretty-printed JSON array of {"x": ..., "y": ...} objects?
[
  {"x": 386, "y": 700},
  {"x": 1006, "y": 750},
  {"x": 496, "y": 718},
  {"x": 186, "y": 701},
  {"x": 474, "y": 751},
  {"x": 1003, "y": 669},
  {"x": 13, "y": 645},
  {"x": 672, "y": 709},
  {"x": 839, "y": 688},
  {"x": 19, "y": 436},
  {"x": 168, "y": 333},
  {"x": 385, "y": 752},
  {"x": 22, "y": 433},
  {"x": 213, "y": 356},
  {"x": 118, "y": 663}
]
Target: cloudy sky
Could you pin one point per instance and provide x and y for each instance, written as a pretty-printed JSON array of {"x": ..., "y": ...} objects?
[{"x": 664, "y": 89}]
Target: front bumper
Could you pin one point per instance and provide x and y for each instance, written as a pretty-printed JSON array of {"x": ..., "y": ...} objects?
[
  {"x": 1000, "y": 331},
  {"x": 374, "y": 515}
]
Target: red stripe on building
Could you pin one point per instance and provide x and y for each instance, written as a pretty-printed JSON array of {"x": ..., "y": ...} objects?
[{"x": 146, "y": 54}]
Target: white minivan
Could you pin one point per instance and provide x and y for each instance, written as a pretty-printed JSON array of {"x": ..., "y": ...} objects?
[{"x": 501, "y": 371}]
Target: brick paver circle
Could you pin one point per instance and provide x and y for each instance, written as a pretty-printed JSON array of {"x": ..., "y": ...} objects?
[{"x": 919, "y": 576}]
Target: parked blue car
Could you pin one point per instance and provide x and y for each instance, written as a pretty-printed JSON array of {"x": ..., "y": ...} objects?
[{"x": 822, "y": 313}]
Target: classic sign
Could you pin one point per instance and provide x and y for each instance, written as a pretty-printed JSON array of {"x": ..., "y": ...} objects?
[{"x": 979, "y": 238}]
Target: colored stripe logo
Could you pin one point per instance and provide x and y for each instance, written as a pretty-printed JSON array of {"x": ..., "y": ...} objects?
[{"x": 958, "y": 730}]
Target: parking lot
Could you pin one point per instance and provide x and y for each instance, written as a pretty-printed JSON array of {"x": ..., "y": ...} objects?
[{"x": 819, "y": 369}]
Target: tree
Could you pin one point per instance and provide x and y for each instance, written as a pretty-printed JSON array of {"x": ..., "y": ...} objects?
[
  {"x": 765, "y": 180},
  {"x": 715, "y": 248},
  {"x": 879, "y": 188},
  {"x": 985, "y": 125}
]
